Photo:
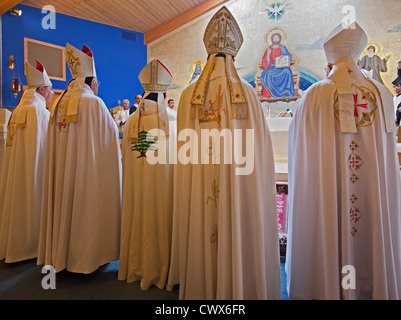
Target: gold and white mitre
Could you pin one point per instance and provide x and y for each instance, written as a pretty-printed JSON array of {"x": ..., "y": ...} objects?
[
  {"x": 222, "y": 35},
  {"x": 37, "y": 77},
  {"x": 155, "y": 78},
  {"x": 80, "y": 62},
  {"x": 343, "y": 47},
  {"x": 81, "y": 65}
]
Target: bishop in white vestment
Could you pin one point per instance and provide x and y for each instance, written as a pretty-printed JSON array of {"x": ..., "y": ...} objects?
[
  {"x": 225, "y": 226},
  {"x": 147, "y": 211},
  {"x": 80, "y": 225},
  {"x": 21, "y": 183},
  {"x": 344, "y": 234}
]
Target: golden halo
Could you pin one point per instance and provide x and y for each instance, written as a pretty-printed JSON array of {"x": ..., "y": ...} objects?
[
  {"x": 377, "y": 46},
  {"x": 279, "y": 31}
]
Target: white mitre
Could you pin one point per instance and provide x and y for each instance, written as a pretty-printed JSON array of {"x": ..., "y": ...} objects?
[
  {"x": 343, "y": 44},
  {"x": 37, "y": 77},
  {"x": 80, "y": 62},
  {"x": 154, "y": 77},
  {"x": 343, "y": 48}
]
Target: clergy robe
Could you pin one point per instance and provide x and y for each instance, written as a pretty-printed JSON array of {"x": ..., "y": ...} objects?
[
  {"x": 147, "y": 210},
  {"x": 80, "y": 224},
  {"x": 344, "y": 197},
  {"x": 4, "y": 118},
  {"x": 22, "y": 182},
  {"x": 226, "y": 222}
]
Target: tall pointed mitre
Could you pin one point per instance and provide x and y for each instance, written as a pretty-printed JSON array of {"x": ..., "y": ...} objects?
[
  {"x": 80, "y": 62},
  {"x": 154, "y": 77},
  {"x": 222, "y": 35},
  {"x": 345, "y": 43},
  {"x": 37, "y": 77},
  {"x": 343, "y": 47},
  {"x": 81, "y": 65}
]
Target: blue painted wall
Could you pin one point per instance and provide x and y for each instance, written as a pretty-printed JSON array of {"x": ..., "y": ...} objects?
[{"x": 118, "y": 60}]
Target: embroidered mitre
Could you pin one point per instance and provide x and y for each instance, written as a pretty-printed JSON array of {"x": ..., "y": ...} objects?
[
  {"x": 81, "y": 65},
  {"x": 80, "y": 62},
  {"x": 223, "y": 34},
  {"x": 154, "y": 77}
]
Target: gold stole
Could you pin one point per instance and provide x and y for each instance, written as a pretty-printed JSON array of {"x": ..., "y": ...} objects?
[{"x": 239, "y": 106}]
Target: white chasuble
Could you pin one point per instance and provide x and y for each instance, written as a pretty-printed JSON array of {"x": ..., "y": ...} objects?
[
  {"x": 80, "y": 225},
  {"x": 225, "y": 227},
  {"x": 344, "y": 237},
  {"x": 147, "y": 212},
  {"x": 21, "y": 185}
]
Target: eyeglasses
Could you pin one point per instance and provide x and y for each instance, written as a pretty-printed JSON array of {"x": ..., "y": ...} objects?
[{"x": 97, "y": 82}]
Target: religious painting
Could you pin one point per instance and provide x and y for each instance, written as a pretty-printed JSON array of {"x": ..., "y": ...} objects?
[
  {"x": 371, "y": 61},
  {"x": 277, "y": 79},
  {"x": 196, "y": 69}
]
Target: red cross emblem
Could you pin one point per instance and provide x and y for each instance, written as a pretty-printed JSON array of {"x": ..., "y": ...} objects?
[
  {"x": 356, "y": 105},
  {"x": 354, "y": 214},
  {"x": 62, "y": 124},
  {"x": 354, "y": 162}
]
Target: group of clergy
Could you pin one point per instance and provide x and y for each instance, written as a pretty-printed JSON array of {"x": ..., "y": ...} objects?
[{"x": 68, "y": 201}]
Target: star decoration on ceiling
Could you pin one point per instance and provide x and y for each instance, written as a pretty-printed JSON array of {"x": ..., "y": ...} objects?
[{"x": 276, "y": 10}]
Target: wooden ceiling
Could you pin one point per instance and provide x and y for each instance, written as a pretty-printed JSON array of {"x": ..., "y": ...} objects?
[{"x": 154, "y": 18}]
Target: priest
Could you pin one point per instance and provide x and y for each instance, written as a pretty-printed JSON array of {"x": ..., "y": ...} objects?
[
  {"x": 80, "y": 224},
  {"x": 147, "y": 212},
  {"x": 226, "y": 215},
  {"x": 344, "y": 234},
  {"x": 21, "y": 184}
]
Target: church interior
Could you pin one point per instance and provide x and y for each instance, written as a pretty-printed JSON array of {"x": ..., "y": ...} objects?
[{"x": 125, "y": 36}]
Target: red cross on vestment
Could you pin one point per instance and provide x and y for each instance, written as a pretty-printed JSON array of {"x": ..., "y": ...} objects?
[
  {"x": 61, "y": 124},
  {"x": 356, "y": 105},
  {"x": 354, "y": 162},
  {"x": 353, "y": 215}
]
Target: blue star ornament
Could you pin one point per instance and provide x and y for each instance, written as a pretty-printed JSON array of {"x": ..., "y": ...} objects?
[{"x": 276, "y": 10}]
